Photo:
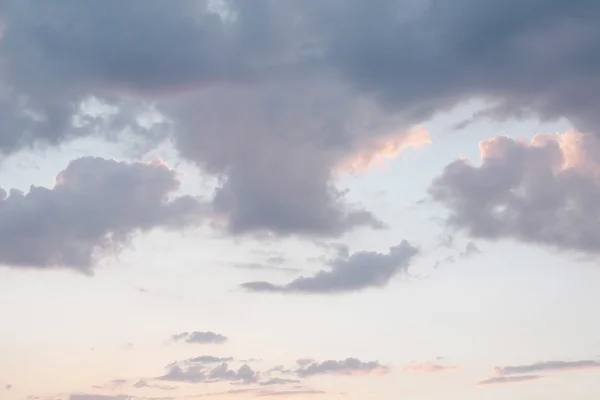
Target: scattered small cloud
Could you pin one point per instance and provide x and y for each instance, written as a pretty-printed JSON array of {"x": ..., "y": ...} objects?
[
  {"x": 202, "y": 374},
  {"x": 349, "y": 366},
  {"x": 548, "y": 366},
  {"x": 428, "y": 367},
  {"x": 97, "y": 397},
  {"x": 209, "y": 359},
  {"x": 142, "y": 384},
  {"x": 509, "y": 379},
  {"x": 278, "y": 381},
  {"x": 200, "y": 337}
]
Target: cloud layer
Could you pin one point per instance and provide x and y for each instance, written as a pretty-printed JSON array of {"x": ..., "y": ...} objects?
[
  {"x": 351, "y": 273},
  {"x": 273, "y": 98},
  {"x": 94, "y": 208}
]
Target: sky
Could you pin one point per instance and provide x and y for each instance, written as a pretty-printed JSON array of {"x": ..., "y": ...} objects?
[{"x": 294, "y": 199}]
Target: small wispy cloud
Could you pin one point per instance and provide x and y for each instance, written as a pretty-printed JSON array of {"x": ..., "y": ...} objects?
[
  {"x": 200, "y": 337},
  {"x": 428, "y": 367},
  {"x": 509, "y": 379},
  {"x": 548, "y": 366}
]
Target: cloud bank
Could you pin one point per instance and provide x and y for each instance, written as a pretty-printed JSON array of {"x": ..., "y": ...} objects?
[{"x": 272, "y": 98}]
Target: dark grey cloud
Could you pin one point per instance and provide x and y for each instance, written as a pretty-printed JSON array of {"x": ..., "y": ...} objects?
[
  {"x": 349, "y": 366},
  {"x": 272, "y": 97},
  {"x": 509, "y": 379},
  {"x": 547, "y": 366},
  {"x": 200, "y": 337},
  {"x": 197, "y": 373},
  {"x": 93, "y": 209},
  {"x": 355, "y": 272},
  {"x": 543, "y": 192}
]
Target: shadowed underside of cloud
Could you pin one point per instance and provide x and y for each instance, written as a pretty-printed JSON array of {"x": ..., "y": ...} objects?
[
  {"x": 349, "y": 366},
  {"x": 274, "y": 96},
  {"x": 546, "y": 191},
  {"x": 94, "y": 207},
  {"x": 200, "y": 337},
  {"x": 548, "y": 366},
  {"x": 358, "y": 271},
  {"x": 497, "y": 380}
]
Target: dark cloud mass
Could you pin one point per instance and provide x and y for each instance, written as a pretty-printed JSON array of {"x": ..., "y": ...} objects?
[
  {"x": 271, "y": 96},
  {"x": 94, "y": 207},
  {"x": 200, "y": 337},
  {"x": 546, "y": 191},
  {"x": 358, "y": 271}
]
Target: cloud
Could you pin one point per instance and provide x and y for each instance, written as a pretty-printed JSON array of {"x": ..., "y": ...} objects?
[
  {"x": 278, "y": 381},
  {"x": 359, "y": 271},
  {"x": 291, "y": 393},
  {"x": 428, "y": 367},
  {"x": 201, "y": 374},
  {"x": 96, "y": 397},
  {"x": 200, "y": 337},
  {"x": 273, "y": 98},
  {"x": 509, "y": 379},
  {"x": 209, "y": 360},
  {"x": 349, "y": 366},
  {"x": 545, "y": 191},
  {"x": 262, "y": 393},
  {"x": 141, "y": 384},
  {"x": 384, "y": 147},
  {"x": 548, "y": 366},
  {"x": 94, "y": 208}
]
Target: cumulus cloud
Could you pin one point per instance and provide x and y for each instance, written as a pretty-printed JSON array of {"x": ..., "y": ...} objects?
[
  {"x": 94, "y": 207},
  {"x": 509, "y": 379},
  {"x": 198, "y": 373},
  {"x": 200, "y": 337},
  {"x": 272, "y": 98},
  {"x": 358, "y": 271},
  {"x": 545, "y": 191},
  {"x": 349, "y": 366},
  {"x": 547, "y": 366}
]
